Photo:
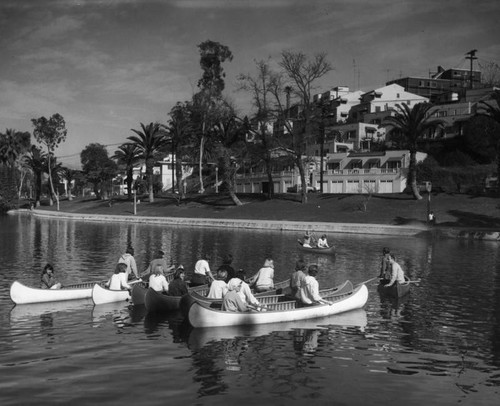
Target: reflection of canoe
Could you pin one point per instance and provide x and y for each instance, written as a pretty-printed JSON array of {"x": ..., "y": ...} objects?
[
  {"x": 22, "y": 294},
  {"x": 199, "y": 337},
  {"x": 316, "y": 250},
  {"x": 396, "y": 290},
  {"x": 157, "y": 302},
  {"x": 24, "y": 311},
  {"x": 201, "y": 315},
  {"x": 102, "y": 295}
]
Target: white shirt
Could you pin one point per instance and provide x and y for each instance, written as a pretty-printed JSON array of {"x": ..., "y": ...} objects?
[
  {"x": 201, "y": 267},
  {"x": 217, "y": 289},
  {"x": 118, "y": 281},
  {"x": 246, "y": 294},
  {"x": 309, "y": 290},
  {"x": 322, "y": 243},
  {"x": 158, "y": 283}
]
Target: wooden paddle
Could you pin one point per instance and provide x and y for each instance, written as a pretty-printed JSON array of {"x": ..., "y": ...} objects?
[
  {"x": 369, "y": 280},
  {"x": 417, "y": 281}
]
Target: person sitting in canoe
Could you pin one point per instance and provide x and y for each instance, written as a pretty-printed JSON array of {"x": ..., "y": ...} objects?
[
  {"x": 218, "y": 288},
  {"x": 307, "y": 240},
  {"x": 118, "y": 280},
  {"x": 385, "y": 266},
  {"x": 157, "y": 280},
  {"x": 264, "y": 278},
  {"x": 202, "y": 274},
  {"x": 232, "y": 301},
  {"x": 309, "y": 289},
  {"x": 48, "y": 279},
  {"x": 129, "y": 260},
  {"x": 322, "y": 242},
  {"x": 178, "y": 287},
  {"x": 158, "y": 260},
  {"x": 397, "y": 274},
  {"x": 245, "y": 291},
  {"x": 297, "y": 277}
]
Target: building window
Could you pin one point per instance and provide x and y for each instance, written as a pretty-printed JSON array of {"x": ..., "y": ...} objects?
[
  {"x": 397, "y": 95},
  {"x": 421, "y": 83}
]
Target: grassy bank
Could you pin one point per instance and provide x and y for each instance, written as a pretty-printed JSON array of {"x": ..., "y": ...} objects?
[{"x": 451, "y": 210}]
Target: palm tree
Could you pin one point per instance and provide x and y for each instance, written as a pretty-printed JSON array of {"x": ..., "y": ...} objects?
[
  {"x": 36, "y": 162},
  {"x": 411, "y": 125},
  {"x": 13, "y": 145},
  {"x": 491, "y": 109},
  {"x": 149, "y": 142},
  {"x": 128, "y": 155}
]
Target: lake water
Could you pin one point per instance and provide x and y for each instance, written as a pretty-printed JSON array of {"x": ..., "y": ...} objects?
[{"x": 438, "y": 345}]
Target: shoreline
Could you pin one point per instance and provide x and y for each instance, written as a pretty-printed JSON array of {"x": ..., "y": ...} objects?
[{"x": 278, "y": 225}]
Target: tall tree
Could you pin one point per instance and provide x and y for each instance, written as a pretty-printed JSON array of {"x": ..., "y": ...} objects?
[
  {"x": 98, "y": 168},
  {"x": 410, "y": 125},
  {"x": 68, "y": 175},
  {"x": 211, "y": 84},
  {"x": 13, "y": 145},
  {"x": 50, "y": 132},
  {"x": 180, "y": 133},
  {"x": 128, "y": 155},
  {"x": 299, "y": 73},
  {"x": 260, "y": 126},
  {"x": 149, "y": 140},
  {"x": 36, "y": 162},
  {"x": 491, "y": 109}
]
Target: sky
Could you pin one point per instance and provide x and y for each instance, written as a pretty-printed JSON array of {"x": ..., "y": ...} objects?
[{"x": 109, "y": 65}]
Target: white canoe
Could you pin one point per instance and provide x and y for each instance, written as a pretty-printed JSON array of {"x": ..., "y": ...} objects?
[
  {"x": 22, "y": 294},
  {"x": 102, "y": 295},
  {"x": 201, "y": 315}
]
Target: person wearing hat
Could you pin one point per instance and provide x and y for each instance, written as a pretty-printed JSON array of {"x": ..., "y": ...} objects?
[
  {"x": 129, "y": 260},
  {"x": 232, "y": 301},
  {"x": 178, "y": 287},
  {"x": 158, "y": 260}
]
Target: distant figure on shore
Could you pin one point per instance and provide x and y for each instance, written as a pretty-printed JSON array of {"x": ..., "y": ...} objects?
[
  {"x": 129, "y": 260},
  {"x": 432, "y": 218},
  {"x": 48, "y": 279}
]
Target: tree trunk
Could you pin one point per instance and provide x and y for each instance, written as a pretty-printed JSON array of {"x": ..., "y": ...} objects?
[
  {"x": 300, "y": 165},
  {"x": 130, "y": 179},
  {"x": 200, "y": 164},
  {"x": 269, "y": 170},
  {"x": 412, "y": 175}
]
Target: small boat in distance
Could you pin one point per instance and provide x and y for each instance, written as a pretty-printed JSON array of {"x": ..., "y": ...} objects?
[{"x": 317, "y": 250}]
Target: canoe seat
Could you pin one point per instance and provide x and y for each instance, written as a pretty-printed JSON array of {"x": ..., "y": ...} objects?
[
  {"x": 270, "y": 299},
  {"x": 282, "y": 305}
]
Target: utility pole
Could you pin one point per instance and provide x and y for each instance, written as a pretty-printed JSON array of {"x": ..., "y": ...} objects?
[{"x": 471, "y": 56}]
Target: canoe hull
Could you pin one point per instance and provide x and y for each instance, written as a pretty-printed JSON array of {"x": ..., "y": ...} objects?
[
  {"x": 316, "y": 250},
  {"x": 138, "y": 293},
  {"x": 202, "y": 316},
  {"x": 102, "y": 295},
  {"x": 22, "y": 294},
  {"x": 157, "y": 302},
  {"x": 396, "y": 290}
]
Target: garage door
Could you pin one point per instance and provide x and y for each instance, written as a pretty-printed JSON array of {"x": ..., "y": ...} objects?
[
  {"x": 352, "y": 186},
  {"x": 337, "y": 186},
  {"x": 385, "y": 186}
]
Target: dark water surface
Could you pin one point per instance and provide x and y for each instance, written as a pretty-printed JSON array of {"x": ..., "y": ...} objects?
[{"x": 439, "y": 345}]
